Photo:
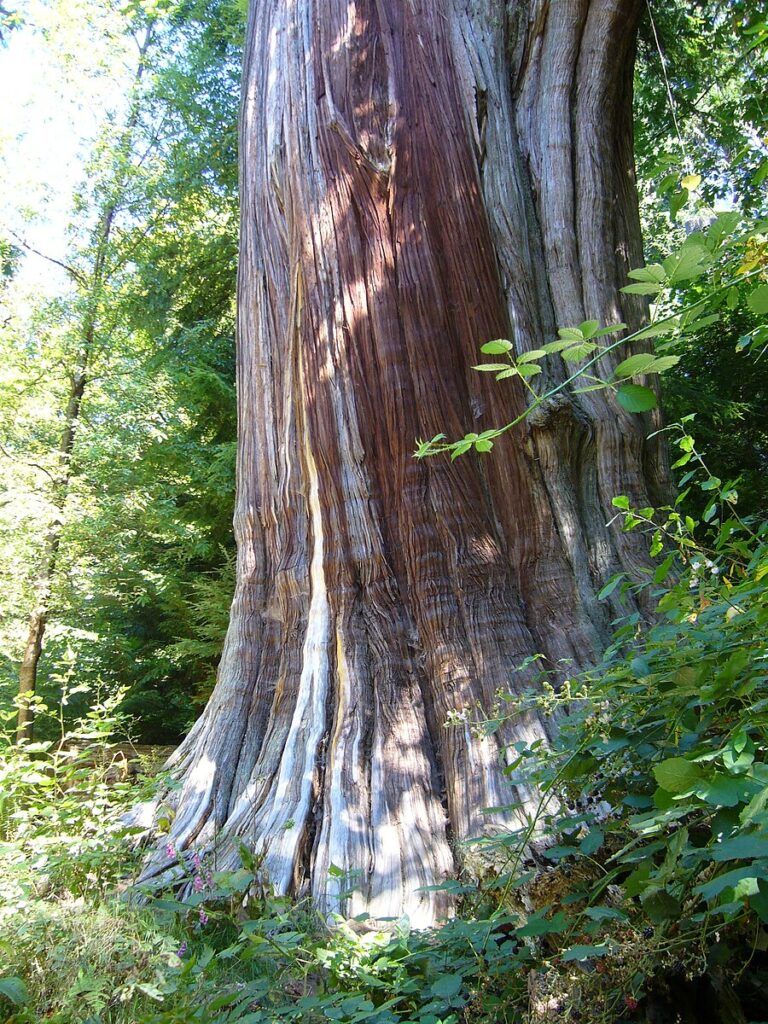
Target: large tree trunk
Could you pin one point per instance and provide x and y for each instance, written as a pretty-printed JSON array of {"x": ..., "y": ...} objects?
[{"x": 417, "y": 178}]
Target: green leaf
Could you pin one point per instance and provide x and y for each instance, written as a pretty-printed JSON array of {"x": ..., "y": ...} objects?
[
  {"x": 539, "y": 924},
  {"x": 759, "y": 901},
  {"x": 491, "y": 367},
  {"x": 460, "y": 449},
  {"x": 553, "y": 347},
  {"x": 447, "y": 986},
  {"x": 575, "y": 353},
  {"x": 742, "y": 847},
  {"x": 666, "y": 183},
  {"x": 640, "y": 668},
  {"x": 663, "y": 570},
  {"x": 496, "y": 348},
  {"x": 653, "y": 272},
  {"x": 711, "y": 889},
  {"x": 760, "y": 174},
  {"x": 592, "y": 841},
  {"x": 689, "y": 262},
  {"x": 653, "y": 330},
  {"x": 15, "y": 990},
  {"x": 589, "y": 328},
  {"x": 686, "y": 679},
  {"x": 533, "y": 354},
  {"x": 660, "y": 906},
  {"x": 755, "y": 806},
  {"x": 746, "y": 887},
  {"x": 758, "y": 299},
  {"x": 724, "y": 224},
  {"x": 611, "y": 585},
  {"x": 635, "y": 364},
  {"x": 677, "y": 201},
  {"x": 528, "y": 370},
  {"x": 571, "y": 334},
  {"x": 150, "y": 990},
  {"x": 693, "y": 320},
  {"x": 636, "y": 398},
  {"x": 600, "y": 386},
  {"x": 644, "y": 288},
  {"x": 613, "y": 329},
  {"x": 663, "y": 363},
  {"x": 605, "y": 914},
  {"x": 677, "y": 775},
  {"x": 725, "y": 790},
  {"x": 586, "y": 952}
]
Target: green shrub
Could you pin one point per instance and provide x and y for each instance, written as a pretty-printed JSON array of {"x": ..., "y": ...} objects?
[
  {"x": 644, "y": 871},
  {"x": 653, "y": 818}
]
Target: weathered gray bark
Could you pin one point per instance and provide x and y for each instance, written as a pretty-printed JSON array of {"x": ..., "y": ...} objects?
[{"x": 417, "y": 178}]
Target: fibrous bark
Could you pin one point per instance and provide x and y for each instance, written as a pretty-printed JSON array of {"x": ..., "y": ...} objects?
[{"x": 418, "y": 177}]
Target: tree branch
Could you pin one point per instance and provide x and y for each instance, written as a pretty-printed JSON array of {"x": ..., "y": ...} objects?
[
  {"x": 75, "y": 274},
  {"x": 29, "y": 465}
]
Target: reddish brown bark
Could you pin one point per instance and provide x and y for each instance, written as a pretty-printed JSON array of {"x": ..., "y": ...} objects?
[{"x": 417, "y": 178}]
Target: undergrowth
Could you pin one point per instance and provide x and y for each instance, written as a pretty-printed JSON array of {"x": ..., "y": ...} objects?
[{"x": 639, "y": 891}]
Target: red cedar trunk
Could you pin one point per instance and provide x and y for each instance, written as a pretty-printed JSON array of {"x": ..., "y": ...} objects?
[{"x": 417, "y": 178}]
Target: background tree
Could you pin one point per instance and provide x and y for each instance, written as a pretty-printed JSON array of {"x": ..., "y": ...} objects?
[
  {"x": 416, "y": 181},
  {"x": 88, "y": 334},
  {"x": 146, "y": 537}
]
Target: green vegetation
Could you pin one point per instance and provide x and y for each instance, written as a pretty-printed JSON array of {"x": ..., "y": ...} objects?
[
  {"x": 640, "y": 889},
  {"x": 140, "y": 508},
  {"x": 643, "y": 878}
]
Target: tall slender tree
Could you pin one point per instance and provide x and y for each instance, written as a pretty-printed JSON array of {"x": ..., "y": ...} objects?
[
  {"x": 417, "y": 179},
  {"x": 90, "y": 272}
]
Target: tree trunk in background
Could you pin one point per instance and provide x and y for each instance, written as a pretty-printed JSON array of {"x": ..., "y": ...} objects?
[
  {"x": 90, "y": 282},
  {"x": 417, "y": 178},
  {"x": 38, "y": 618}
]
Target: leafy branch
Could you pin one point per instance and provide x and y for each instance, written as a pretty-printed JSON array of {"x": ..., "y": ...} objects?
[{"x": 698, "y": 254}]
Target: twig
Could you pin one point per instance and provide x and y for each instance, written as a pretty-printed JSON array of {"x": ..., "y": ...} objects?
[{"x": 75, "y": 274}]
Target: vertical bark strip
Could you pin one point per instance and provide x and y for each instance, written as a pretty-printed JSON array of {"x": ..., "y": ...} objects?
[{"x": 417, "y": 178}]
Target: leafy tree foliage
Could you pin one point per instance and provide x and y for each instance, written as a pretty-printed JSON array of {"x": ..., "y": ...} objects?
[
  {"x": 700, "y": 104},
  {"x": 701, "y": 127},
  {"x": 146, "y": 527}
]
